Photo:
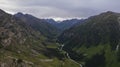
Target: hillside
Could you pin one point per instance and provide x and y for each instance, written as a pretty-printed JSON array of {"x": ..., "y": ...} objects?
[
  {"x": 95, "y": 42},
  {"x": 23, "y": 46},
  {"x": 37, "y": 24}
]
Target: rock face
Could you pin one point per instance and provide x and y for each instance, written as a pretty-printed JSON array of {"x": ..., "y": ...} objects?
[
  {"x": 16, "y": 41},
  {"x": 16, "y": 31},
  {"x": 13, "y": 62},
  {"x": 6, "y": 36},
  {"x": 11, "y": 28}
]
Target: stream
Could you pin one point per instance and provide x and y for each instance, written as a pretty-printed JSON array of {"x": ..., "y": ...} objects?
[{"x": 68, "y": 56}]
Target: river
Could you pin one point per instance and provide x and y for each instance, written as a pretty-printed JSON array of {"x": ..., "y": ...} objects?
[{"x": 68, "y": 56}]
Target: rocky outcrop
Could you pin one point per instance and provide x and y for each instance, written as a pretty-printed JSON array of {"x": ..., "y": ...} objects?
[{"x": 14, "y": 62}]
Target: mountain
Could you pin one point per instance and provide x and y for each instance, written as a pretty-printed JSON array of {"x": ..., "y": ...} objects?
[
  {"x": 51, "y": 21},
  {"x": 22, "y": 45},
  {"x": 16, "y": 41},
  {"x": 95, "y": 42},
  {"x": 66, "y": 24},
  {"x": 40, "y": 25},
  {"x": 63, "y": 25}
]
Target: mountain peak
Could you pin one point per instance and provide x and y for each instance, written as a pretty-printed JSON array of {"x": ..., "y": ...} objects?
[
  {"x": 109, "y": 13},
  {"x": 19, "y": 14},
  {"x": 2, "y": 12}
]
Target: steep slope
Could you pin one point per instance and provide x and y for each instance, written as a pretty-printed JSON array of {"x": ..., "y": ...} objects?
[
  {"x": 66, "y": 24},
  {"x": 16, "y": 41},
  {"x": 45, "y": 28},
  {"x": 96, "y": 42},
  {"x": 23, "y": 46},
  {"x": 63, "y": 25}
]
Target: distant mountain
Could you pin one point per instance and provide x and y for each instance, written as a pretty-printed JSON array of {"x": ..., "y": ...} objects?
[
  {"x": 40, "y": 25},
  {"x": 51, "y": 21},
  {"x": 96, "y": 42},
  {"x": 66, "y": 24}
]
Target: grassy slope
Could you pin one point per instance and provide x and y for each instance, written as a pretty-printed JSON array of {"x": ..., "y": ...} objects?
[
  {"x": 95, "y": 40},
  {"x": 36, "y": 57}
]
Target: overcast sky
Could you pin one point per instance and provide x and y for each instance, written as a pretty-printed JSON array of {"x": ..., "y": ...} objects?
[{"x": 60, "y": 8}]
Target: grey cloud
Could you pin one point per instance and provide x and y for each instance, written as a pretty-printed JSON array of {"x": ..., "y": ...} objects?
[{"x": 60, "y": 8}]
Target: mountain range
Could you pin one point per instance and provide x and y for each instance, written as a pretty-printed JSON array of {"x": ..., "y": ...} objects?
[
  {"x": 24, "y": 44},
  {"x": 65, "y": 24},
  {"x": 40, "y": 25},
  {"x": 27, "y": 41}
]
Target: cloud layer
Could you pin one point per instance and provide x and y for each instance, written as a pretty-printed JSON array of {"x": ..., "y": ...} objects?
[{"x": 60, "y": 8}]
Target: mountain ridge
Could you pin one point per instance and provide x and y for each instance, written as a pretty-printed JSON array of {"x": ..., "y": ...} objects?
[
  {"x": 98, "y": 37},
  {"x": 65, "y": 24},
  {"x": 40, "y": 25}
]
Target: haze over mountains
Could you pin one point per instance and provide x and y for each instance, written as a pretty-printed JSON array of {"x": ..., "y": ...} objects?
[
  {"x": 27, "y": 41},
  {"x": 65, "y": 24}
]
